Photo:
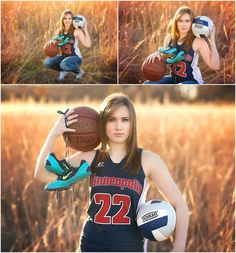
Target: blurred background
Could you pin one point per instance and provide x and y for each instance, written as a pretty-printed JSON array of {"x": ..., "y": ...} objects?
[
  {"x": 27, "y": 25},
  {"x": 144, "y": 25},
  {"x": 191, "y": 128}
]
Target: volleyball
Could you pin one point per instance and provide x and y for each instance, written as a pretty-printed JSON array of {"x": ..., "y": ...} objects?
[
  {"x": 156, "y": 220},
  {"x": 79, "y": 21},
  {"x": 202, "y": 26}
]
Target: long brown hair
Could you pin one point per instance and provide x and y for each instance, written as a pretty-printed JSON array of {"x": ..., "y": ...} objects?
[
  {"x": 133, "y": 156},
  {"x": 175, "y": 32},
  {"x": 62, "y": 26}
]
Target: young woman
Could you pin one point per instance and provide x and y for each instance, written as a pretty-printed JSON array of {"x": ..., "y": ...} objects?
[
  {"x": 70, "y": 58},
  {"x": 187, "y": 71},
  {"x": 118, "y": 160}
]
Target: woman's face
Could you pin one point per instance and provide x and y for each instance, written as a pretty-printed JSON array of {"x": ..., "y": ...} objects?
[
  {"x": 184, "y": 23},
  {"x": 67, "y": 20},
  {"x": 118, "y": 125}
]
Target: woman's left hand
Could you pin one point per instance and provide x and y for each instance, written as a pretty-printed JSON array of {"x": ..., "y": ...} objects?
[
  {"x": 213, "y": 33},
  {"x": 85, "y": 25}
]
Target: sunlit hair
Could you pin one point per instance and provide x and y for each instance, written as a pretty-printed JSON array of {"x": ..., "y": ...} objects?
[
  {"x": 188, "y": 41},
  {"x": 109, "y": 106},
  {"x": 62, "y": 26}
]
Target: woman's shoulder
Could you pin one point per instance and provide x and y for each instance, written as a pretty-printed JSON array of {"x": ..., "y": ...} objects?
[
  {"x": 149, "y": 158},
  {"x": 152, "y": 163},
  {"x": 77, "y": 32},
  {"x": 198, "y": 43},
  {"x": 167, "y": 39},
  {"x": 57, "y": 31},
  {"x": 149, "y": 155}
]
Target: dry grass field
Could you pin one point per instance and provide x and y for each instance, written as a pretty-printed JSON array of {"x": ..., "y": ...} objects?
[
  {"x": 27, "y": 25},
  {"x": 195, "y": 141},
  {"x": 144, "y": 25}
]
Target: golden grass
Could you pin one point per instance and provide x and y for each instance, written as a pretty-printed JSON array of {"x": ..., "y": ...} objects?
[
  {"x": 27, "y": 26},
  {"x": 195, "y": 141},
  {"x": 144, "y": 25}
]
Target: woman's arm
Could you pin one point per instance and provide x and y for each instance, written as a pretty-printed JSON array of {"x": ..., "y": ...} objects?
[
  {"x": 156, "y": 169},
  {"x": 58, "y": 129},
  {"x": 83, "y": 36},
  {"x": 55, "y": 34},
  {"x": 210, "y": 56},
  {"x": 157, "y": 54}
]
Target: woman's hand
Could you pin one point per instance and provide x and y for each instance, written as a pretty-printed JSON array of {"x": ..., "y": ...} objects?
[
  {"x": 85, "y": 28},
  {"x": 58, "y": 129},
  {"x": 212, "y": 35},
  {"x": 151, "y": 58},
  {"x": 60, "y": 125},
  {"x": 50, "y": 42}
]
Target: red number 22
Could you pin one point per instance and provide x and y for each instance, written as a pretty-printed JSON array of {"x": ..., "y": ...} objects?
[{"x": 106, "y": 200}]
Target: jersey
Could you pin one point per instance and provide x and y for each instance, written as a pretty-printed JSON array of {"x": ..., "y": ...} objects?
[
  {"x": 71, "y": 48},
  {"x": 115, "y": 197},
  {"x": 186, "y": 69}
]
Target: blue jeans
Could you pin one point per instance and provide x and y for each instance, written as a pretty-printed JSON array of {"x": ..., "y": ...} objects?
[
  {"x": 170, "y": 80},
  {"x": 61, "y": 63}
]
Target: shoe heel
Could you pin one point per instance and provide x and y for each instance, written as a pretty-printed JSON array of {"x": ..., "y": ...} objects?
[
  {"x": 52, "y": 170},
  {"x": 52, "y": 165}
]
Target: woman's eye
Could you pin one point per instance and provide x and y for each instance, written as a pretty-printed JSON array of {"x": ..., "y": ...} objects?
[{"x": 111, "y": 119}]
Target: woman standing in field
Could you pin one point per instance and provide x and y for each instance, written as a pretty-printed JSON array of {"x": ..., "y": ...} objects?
[
  {"x": 71, "y": 58},
  {"x": 118, "y": 158},
  {"x": 187, "y": 71}
]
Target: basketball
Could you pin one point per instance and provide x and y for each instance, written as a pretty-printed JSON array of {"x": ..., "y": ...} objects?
[
  {"x": 87, "y": 136},
  {"x": 154, "y": 71},
  {"x": 51, "y": 51},
  {"x": 156, "y": 220}
]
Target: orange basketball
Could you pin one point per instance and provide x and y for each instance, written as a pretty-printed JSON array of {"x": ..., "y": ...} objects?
[
  {"x": 51, "y": 50},
  {"x": 154, "y": 71},
  {"x": 87, "y": 136}
]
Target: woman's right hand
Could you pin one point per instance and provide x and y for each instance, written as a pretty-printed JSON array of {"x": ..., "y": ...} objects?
[
  {"x": 151, "y": 58},
  {"x": 50, "y": 42},
  {"x": 60, "y": 126}
]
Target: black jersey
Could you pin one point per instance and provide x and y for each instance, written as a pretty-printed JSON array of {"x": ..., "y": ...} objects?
[
  {"x": 114, "y": 200},
  {"x": 187, "y": 69},
  {"x": 71, "y": 47}
]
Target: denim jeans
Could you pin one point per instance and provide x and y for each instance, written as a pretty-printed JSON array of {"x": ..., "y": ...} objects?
[
  {"x": 60, "y": 63},
  {"x": 170, "y": 80}
]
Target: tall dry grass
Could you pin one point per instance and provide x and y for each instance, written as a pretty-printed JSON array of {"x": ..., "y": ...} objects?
[
  {"x": 28, "y": 25},
  {"x": 195, "y": 141},
  {"x": 144, "y": 25}
]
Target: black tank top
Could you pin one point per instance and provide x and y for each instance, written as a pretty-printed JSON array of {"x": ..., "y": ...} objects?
[{"x": 114, "y": 199}]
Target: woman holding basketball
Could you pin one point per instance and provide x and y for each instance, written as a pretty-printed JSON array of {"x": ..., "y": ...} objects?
[
  {"x": 120, "y": 180},
  {"x": 70, "y": 58},
  {"x": 186, "y": 70}
]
